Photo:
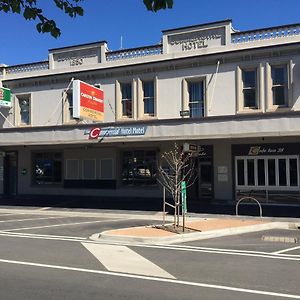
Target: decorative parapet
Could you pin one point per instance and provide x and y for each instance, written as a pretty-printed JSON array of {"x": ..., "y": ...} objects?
[
  {"x": 33, "y": 67},
  {"x": 265, "y": 34},
  {"x": 134, "y": 53}
]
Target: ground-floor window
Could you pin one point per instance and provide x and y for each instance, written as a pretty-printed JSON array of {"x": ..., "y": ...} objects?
[
  {"x": 47, "y": 167},
  {"x": 267, "y": 172},
  {"x": 139, "y": 167}
]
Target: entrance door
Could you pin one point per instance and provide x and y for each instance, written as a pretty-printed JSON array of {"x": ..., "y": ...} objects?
[
  {"x": 10, "y": 174},
  {"x": 205, "y": 173}
]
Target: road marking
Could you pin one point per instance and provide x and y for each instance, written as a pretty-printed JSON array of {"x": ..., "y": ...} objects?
[
  {"x": 43, "y": 236},
  {"x": 154, "y": 279},
  {"x": 58, "y": 225},
  {"x": 43, "y": 208},
  {"x": 291, "y": 257},
  {"x": 286, "y": 250},
  {"x": 122, "y": 259},
  {"x": 31, "y": 219}
]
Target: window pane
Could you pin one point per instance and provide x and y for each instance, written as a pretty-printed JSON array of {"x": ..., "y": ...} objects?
[
  {"x": 72, "y": 169},
  {"x": 249, "y": 78},
  {"x": 240, "y": 172},
  {"x": 106, "y": 168},
  {"x": 148, "y": 89},
  {"x": 24, "y": 111},
  {"x": 196, "y": 96},
  {"x": 250, "y": 171},
  {"x": 140, "y": 168},
  {"x": 261, "y": 172},
  {"x": 89, "y": 169},
  {"x": 279, "y": 75},
  {"x": 271, "y": 172},
  {"x": 48, "y": 169},
  {"x": 126, "y": 92},
  {"x": 282, "y": 172},
  {"x": 293, "y": 172},
  {"x": 149, "y": 106},
  {"x": 279, "y": 95},
  {"x": 250, "y": 98}
]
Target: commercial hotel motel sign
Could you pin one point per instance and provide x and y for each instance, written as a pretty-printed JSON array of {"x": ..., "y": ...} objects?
[{"x": 88, "y": 102}]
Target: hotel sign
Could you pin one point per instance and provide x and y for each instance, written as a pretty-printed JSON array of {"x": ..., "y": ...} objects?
[
  {"x": 98, "y": 132},
  {"x": 5, "y": 97},
  {"x": 196, "y": 40},
  {"x": 88, "y": 102}
]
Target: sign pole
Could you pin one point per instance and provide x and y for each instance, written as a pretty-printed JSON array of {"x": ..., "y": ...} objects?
[{"x": 183, "y": 203}]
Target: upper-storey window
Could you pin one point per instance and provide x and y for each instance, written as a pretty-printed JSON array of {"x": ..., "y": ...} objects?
[
  {"x": 148, "y": 97},
  {"x": 196, "y": 98},
  {"x": 249, "y": 88},
  {"x": 249, "y": 77},
  {"x": 23, "y": 110},
  {"x": 279, "y": 78},
  {"x": 279, "y": 85},
  {"x": 126, "y": 94}
]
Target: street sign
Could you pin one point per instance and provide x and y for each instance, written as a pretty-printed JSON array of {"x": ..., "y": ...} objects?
[
  {"x": 183, "y": 197},
  {"x": 187, "y": 147},
  {"x": 5, "y": 97},
  {"x": 184, "y": 113}
]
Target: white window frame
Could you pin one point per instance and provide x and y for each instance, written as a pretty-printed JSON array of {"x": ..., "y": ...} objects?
[
  {"x": 240, "y": 87},
  {"x": 140, "y": 105},
  {"x": 185, "y": 93},
  {"x": 275, "y": 187},
  {"x": 269, "y": 85}
]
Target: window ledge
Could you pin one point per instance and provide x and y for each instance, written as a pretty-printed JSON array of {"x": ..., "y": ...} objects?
[
  {"x": 279, "y": 109},
  {"x": 250, "y": 111}
]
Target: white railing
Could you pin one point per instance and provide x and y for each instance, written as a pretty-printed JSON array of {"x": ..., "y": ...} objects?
[
  {"x": 265, "y": 34},
  {"x": 44, "y": 65},
  {"x": 134, "y": 53}
]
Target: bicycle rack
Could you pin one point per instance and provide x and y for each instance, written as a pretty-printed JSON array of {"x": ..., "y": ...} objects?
[{"x": 249, "y": 198}]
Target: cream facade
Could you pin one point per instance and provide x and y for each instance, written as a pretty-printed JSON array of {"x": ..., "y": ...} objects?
[{"x": 235, "y": 95}]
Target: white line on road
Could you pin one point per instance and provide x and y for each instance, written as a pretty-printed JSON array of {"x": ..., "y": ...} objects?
[
  {"x": 64, "y": 224},
  {"x": 286, "y": 250},
  {"x": 43, "y": 236},
  {"x": 155, "y": 279},
  {"x": 31, "y": 219},
  {"x": 118, "y": 258}
]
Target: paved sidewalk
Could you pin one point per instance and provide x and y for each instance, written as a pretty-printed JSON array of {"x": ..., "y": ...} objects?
[{"x": 196, "y": 229}]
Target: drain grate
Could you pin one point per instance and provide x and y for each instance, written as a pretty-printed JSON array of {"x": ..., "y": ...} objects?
[{"x": 280, "y": 239}]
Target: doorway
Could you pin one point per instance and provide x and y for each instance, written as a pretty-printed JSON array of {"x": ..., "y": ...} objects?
[
  {"x": 10, "y": 174},
  {"x": 205, "y": 179}
]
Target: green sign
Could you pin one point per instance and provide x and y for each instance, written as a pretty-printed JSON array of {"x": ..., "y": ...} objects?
[
  {"x": 5, "y": 97},
  {"x": 183, "y": 197}
]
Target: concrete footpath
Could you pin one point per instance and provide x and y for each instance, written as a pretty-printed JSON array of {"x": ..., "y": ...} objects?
[{"x": 196, "y": 229}]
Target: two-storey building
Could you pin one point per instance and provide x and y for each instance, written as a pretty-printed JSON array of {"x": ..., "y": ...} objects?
[{"x": 235, "y": 96}]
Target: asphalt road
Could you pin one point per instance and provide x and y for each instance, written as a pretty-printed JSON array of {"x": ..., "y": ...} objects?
[{"x": 47, "y": 254}]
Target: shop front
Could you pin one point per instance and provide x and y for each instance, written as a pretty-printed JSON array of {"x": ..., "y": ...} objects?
[{"x": 267, "y": 172}]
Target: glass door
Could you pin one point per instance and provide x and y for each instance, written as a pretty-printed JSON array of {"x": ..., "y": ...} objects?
[
  {"x": 205, "y": 173},
  {"x": 10, "y": 174}
]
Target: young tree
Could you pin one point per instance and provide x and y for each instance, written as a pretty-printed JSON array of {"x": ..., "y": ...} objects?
[
  {"x": 31, "y": 10},
  {"x": 176, "y": 167}
]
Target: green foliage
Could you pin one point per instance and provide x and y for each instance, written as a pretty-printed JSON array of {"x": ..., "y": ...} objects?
[
  {"x": 155, "y": 5},
  {"x": 31, "y": 11}
]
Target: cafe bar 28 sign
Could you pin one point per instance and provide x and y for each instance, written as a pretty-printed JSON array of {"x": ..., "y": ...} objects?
[
  {"x": 88, "y": 102},
  {"x": 5, "y": 97}
]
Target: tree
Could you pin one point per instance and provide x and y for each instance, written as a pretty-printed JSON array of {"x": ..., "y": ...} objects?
[
  {"x": 155, "y": 5},
  {"x": 176, "y": 167},
  {"x": 31, "y": 10}
]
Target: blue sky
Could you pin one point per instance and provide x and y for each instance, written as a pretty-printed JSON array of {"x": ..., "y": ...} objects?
[{"x": 109, "y": 20}]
